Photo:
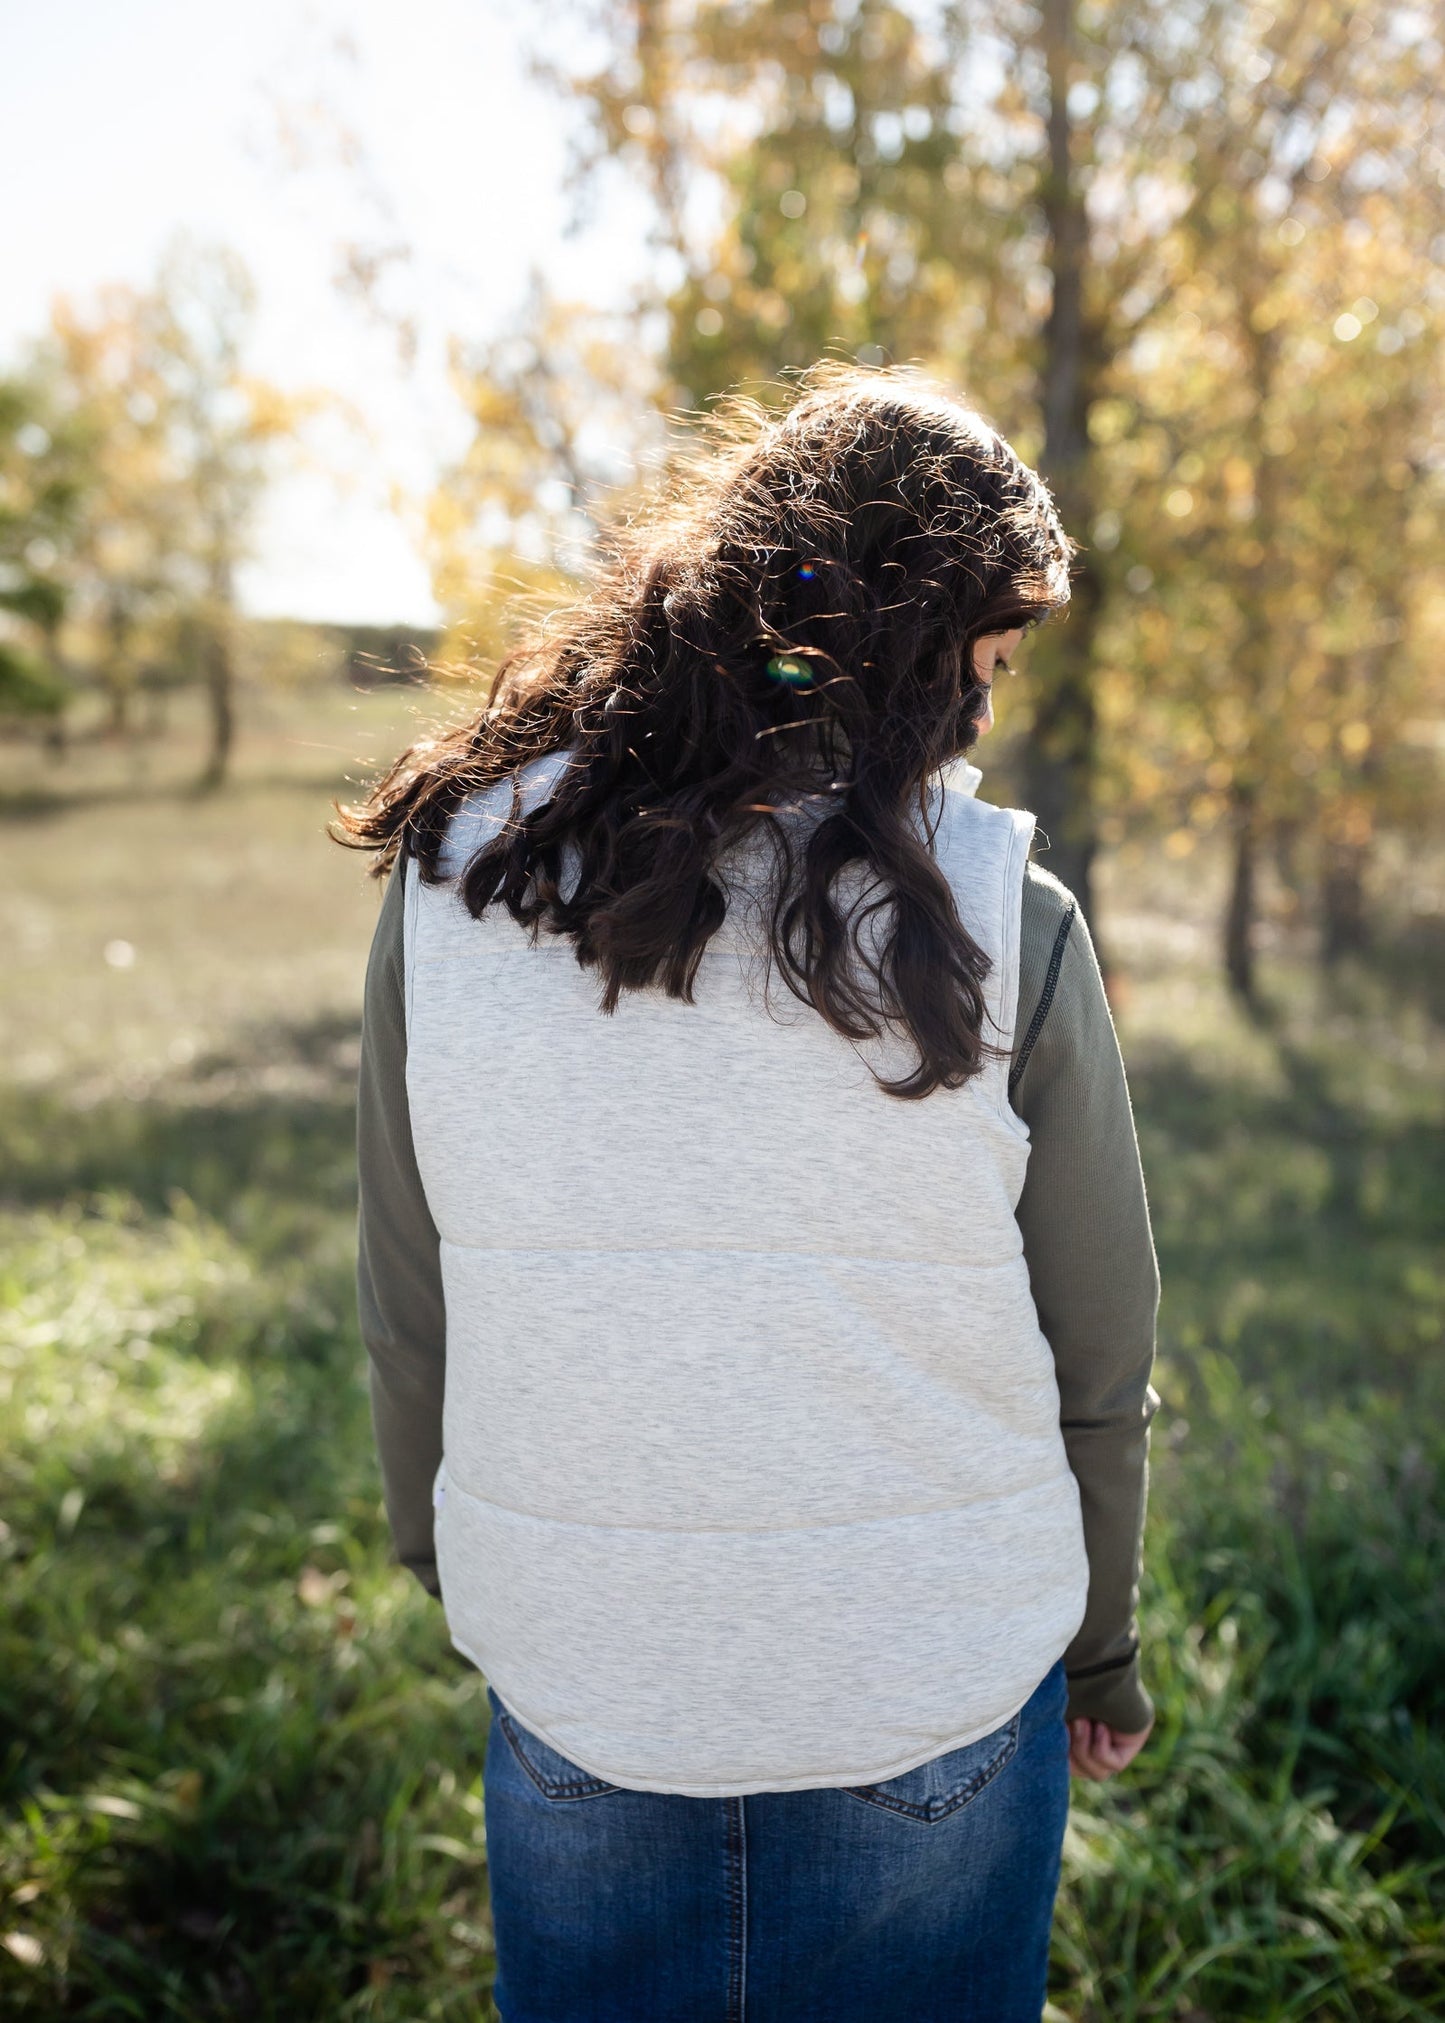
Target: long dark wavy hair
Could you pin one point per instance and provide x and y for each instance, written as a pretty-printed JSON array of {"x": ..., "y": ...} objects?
[{"x": 796, "y": 613}]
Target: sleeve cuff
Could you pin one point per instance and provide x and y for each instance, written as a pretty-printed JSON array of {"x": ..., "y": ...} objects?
[
  {"x": 426, "y": 1572},
  {"x": 1116, "y": 1696}
]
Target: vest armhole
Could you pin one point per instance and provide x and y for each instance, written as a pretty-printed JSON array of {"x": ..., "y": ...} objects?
[
  {"x": 411, "y": 872},
  {"x": 1009, "y": 920}
]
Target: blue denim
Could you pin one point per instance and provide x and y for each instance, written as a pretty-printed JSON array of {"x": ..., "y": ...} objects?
[{"x": 928, "y": 1899}]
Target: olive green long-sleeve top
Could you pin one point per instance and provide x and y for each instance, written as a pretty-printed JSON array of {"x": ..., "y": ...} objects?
[{"x": 1087, "y": 1243}]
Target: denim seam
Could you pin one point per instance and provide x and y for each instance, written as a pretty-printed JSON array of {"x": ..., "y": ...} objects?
[
  {"x": 584, "y": 1786},
  {"x": 931, "y": 1815},
  {"x": 737, "y": 1904}
]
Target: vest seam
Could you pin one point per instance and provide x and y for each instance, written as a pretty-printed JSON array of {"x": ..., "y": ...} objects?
[
  {"x": 545, "y": 948},
  {"x": 753, "y": 1531},
  {"x": 720, "y": 1250}
]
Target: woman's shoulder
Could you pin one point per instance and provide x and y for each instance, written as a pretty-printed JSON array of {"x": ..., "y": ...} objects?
[
  {"x": 1061, "y": 989},
  {"x": 484, "y": 812},
  {"x": 1047, "y": 903}
]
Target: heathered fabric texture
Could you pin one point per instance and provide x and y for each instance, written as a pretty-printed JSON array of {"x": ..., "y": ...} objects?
[
  {"x": 1085, "y": 1234},
  {"x": 734, "y": 1406}
]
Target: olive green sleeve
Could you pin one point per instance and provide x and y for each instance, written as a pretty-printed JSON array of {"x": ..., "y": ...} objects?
[
  {"x": 398, "y": 1276},
  {"x": 1085, "y": 1223}
]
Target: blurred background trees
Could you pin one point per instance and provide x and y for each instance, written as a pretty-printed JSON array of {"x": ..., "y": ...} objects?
[
  {"x": 562, "y": 408},
  {"x": 40, "y": 488},
  {"x": 1185, "y": 257}
]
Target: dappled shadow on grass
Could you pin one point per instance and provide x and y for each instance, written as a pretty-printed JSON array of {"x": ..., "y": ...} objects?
[
  {"x": 260, "y": 1134},
  {"x": 1296, "y": 1228},
  {"x": 1410, "y": 964}
]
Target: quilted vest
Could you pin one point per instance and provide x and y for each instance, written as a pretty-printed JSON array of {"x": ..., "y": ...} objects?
[{"x": 754, "y": 1478}]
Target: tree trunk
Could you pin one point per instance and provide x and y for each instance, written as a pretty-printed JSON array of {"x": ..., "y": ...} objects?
[
  {"x": 117, "y": 699},
  {"x": 1347, "y": 819},
  {"x": 116, "y": 677},
  {"x": 1257, "y": 656},
  {"x": 1239, "y": 914},
  {"x": 1059, "y": 763},
  {"x": 220, "y": 663},
  {"x": 57, "y": 731},
  {"x": 1344, "y": 920}
]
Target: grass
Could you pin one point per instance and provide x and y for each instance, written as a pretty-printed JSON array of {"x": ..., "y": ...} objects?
[{"x": 239, "y": 1765}]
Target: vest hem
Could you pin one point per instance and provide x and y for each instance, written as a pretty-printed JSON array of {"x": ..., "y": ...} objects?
[
  {"x": 747, "y": 1787},
  {"x": 953, "y": 1508}
]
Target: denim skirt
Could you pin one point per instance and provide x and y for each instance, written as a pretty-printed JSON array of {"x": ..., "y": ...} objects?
[{"x": 926, "y": 1899}]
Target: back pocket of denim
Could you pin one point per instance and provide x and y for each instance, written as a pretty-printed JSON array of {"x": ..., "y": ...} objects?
[
  {"x": 554, "y": 1775},
  {"x": 945, "y": 1784}
]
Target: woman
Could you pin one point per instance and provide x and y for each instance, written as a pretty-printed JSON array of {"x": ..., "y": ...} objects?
[{"x": 754, "y": 1259}]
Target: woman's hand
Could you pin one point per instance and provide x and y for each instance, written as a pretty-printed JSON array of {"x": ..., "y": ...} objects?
[{"x": 1096, "y": 1750}]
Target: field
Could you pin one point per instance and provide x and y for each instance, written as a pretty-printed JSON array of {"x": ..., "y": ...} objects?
[{"x": 239, "y": 1764}]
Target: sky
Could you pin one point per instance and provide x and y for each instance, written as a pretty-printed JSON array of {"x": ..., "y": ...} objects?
[{"x": 126, "y": 122}]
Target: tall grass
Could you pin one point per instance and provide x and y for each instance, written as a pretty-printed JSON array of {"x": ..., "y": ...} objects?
[{"x": 240, "y": 1766}]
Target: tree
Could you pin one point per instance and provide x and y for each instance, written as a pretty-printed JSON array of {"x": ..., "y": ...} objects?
[
  {"x": 1284, "y": 403},
  {"x": 1023, "y": 194},
  {"x": 563, "y": 420},
  {"x": 1125, "y": 232},
  {"x": 43, "y": 474},
  {"x": 902, "y": 189},
  {"x": 223, "y": 426},
  {"x": 130, "y": 528},
  {"x": 182, "y": 441}
]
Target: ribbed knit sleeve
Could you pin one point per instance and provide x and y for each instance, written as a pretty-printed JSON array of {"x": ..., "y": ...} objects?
[
  {"x": 398, "y": 1278},
  {"x": 1085, "y": 1223}
]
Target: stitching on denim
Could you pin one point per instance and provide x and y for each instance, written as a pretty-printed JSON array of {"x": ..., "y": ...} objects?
[
  {"x": 939, "y": 1809},
  {"x": 1051, "y": 984},
  {"x": 737, "y": 1904},
  {"x": 583, "y": 1786}
]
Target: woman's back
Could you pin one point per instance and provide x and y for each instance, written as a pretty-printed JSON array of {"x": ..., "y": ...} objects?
[{"x": 754, "y": 1476}]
